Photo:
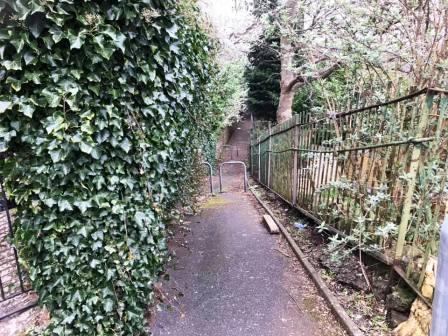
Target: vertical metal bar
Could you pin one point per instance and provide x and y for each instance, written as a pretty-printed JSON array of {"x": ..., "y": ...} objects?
[
  {"x": 250, "y": 158},
  {"x": 308, "y": 182},
  {"x": 269, "y": 156},
  {"x": 259, "y": 160},
  {"x": 2, "y": 292},
  {"x": 302, "y": 131},
  {"x": 245, "y": 176},
  {"x": 439, "y": 325},
  {"x": 295, "y": 164},
  {"x": 220, "y": 178},
  {"x": 210, "y": 175},
  {"x": 412, "y": 178},
  {"x": 317, "y": 168}
]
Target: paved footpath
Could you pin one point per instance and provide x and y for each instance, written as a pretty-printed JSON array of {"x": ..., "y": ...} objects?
[{"x": 231, "y": 278}]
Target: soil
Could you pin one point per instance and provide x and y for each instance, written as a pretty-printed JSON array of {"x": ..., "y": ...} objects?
[{"x": 366, "y": 308}]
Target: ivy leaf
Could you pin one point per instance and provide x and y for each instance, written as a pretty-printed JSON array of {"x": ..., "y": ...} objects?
[
  {"x": 28, "y": 57},
  {"x": 56, "y": 34},
  {"x": 108, "y": 305},
  {"x": 49, "y": 202},
  {"x": 97, "y": 245},
  {"x": 52, "y": 98},
  {"x": 27, "y": 110},
  {"x": 64, "y": 205},
  {"x": 119, "y": 41},
  {"x": 125, "y": 145},
  {"x": 56, "y": 155},
  {"x": 69, "y": 319},
  {"x": 76, "y": 39},
  {"x": 139, "y": 218},
  {"x": 172, "y": 31},
  {"x": 110, "y": 274},
  {"x": 12, "y": 65},
  {"x": 85, "y": 147},
  {"x": 4, "y": 105},
  {"x": 37, "y": 24},
  {"x": 83, "y": 232},
  {"x": 83, "y": 205},
  {"x": 94, "y": 263}
]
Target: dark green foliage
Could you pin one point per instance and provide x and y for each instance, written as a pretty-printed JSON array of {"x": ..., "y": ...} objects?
[
  {"x": 263, "y": 71},
  {"x": 312, "y": 98},
  {"x": 263, "y": 77},
  {"x": 100, "y": 111},
  {"x": 264, "y": 7}
]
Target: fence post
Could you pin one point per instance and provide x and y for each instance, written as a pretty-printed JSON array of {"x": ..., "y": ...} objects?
[
  {"x": 439, "y": 323},
  {"x": 250, "y": 158},
  {"x": 412, "y": 178},
  {"x": 295, "y": 163},
  {"x": 259, "y": 159},
  {"x": 269, "y": 156},
  {"x": 251, "y": 152}
]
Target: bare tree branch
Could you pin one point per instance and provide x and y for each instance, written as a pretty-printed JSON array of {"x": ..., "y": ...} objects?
[{"x": 325, "y": 73}]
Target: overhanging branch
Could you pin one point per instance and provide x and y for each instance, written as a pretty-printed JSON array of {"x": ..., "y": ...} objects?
[{"x": 325, "y": 73}]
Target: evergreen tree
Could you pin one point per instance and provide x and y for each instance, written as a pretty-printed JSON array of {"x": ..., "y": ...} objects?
[{"x": 263, "y": 72}]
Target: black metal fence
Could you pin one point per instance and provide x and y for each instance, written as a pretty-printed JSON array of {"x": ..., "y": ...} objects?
[{"x": 377, "y": 172}]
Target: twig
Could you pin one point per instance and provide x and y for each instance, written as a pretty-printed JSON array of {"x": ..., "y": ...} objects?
[
  {"x": 364, "y": 273},
  {"x": 285, "y": 254},
  {"x": 293, "y": 299}
]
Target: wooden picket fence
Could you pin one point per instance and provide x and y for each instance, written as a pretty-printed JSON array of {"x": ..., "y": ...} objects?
[{"x": 379, "y": 169}]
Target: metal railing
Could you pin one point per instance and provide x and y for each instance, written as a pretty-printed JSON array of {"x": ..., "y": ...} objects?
[
  {"x": 233, "y": 163},
  {"x": 210, "y": 175},
  {"x": 440, "y": 307},
  {"x": 390, "y": 157}
]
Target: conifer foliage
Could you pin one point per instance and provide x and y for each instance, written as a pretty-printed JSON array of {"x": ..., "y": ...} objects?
[{"x": 263, "y": 72}]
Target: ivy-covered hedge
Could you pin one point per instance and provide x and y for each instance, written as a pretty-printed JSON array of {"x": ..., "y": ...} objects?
[{"x": 100, "y": 107}]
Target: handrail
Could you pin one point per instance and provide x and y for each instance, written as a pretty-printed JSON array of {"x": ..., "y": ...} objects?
[
  {"x": 210, "y": 175},
  {"x": 233, "y": 162},
  {"x": 440, "y": 304},
  {"x": 264, "y": 137}
]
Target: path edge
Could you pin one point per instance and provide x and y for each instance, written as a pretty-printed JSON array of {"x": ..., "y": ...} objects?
[{"x": 336, "y": 307}]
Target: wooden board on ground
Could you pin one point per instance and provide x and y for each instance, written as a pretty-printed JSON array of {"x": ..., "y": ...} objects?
[{"x": 272, "y": 227}]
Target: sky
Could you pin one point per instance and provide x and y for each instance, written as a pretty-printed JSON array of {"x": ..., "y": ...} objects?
[{"x": 231, "y": 20}]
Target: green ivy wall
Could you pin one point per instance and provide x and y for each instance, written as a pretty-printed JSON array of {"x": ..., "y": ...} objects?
[{"x": 101, "y": 113}]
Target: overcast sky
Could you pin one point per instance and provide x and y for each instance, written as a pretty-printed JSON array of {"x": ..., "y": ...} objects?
[{"x": 231, "y": 20}]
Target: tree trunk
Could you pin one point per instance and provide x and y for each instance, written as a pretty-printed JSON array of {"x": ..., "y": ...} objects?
[
  {"x": 284, "y": 110},
  {"x": 290, "y": 82}
]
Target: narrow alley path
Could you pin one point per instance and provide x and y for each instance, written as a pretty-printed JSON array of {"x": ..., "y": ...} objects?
[{"x": 231, "y": 278}]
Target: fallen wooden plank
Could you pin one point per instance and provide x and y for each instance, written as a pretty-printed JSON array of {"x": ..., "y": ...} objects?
[{"x": 272, "y": 226}]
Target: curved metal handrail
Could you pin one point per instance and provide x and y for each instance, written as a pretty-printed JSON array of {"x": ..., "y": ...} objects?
[
  {"x": 233, "y": 162},
  {"x": 210, "y": 170}
]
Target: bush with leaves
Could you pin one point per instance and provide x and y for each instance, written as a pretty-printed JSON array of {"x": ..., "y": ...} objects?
[{"x": 100, "y": 116}]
